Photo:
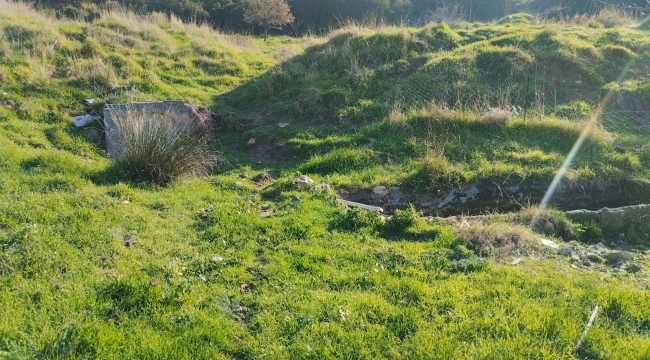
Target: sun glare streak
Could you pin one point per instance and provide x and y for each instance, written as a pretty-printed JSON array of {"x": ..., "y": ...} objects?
[{"x": 593, "y": 120}]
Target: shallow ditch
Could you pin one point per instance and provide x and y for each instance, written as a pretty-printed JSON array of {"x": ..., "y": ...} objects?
[{"x": 494, "y": 197}]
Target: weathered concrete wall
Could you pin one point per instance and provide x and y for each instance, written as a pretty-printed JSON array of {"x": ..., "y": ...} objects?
[
  {"x": 181, "y": 113},
  {"x": 485, "y": 197},
  {"x": 634, "y": 220}
]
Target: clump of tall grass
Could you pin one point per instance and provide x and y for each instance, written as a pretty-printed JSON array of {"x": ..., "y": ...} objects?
[{"x": 158, "y": 148}]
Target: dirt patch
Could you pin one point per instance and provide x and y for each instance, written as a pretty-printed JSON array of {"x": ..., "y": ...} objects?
[
  {"x": 491, "y": 197},
  {"x": 266, "y": 151}
]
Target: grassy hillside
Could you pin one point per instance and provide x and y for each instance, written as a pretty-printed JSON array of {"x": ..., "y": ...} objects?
[
  {"x": 425, "y": 96},
  {"x": 234, "y": 266}
]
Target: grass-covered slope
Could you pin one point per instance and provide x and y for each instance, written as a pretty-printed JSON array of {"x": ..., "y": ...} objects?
[
  {"x": 434, "y": 106},
  {"x": 233, "y": 266}
]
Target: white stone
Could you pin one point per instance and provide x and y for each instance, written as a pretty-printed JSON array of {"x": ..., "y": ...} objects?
[{"x": 549, "y": 243}]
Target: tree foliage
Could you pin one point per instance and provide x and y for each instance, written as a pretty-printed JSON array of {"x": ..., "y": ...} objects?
[
  {"x": 267, "y": 13},
  {"x": 320, "y": 15}
]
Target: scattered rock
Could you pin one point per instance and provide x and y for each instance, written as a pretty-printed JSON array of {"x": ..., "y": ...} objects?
[
  {"x": 321, "y": 187},
  {"x": 295, "y": 200},
  {"x": 263, "y": 177},
  {"x": 243, "y": 175},
  {"x": 251, "y": 142},
  {"x": 380, "y": 191},
  {"x": 57, "y": 286},
  {"x": 516, "y": 261},
  {"x": 153, "y": 282},
  {"x": 575, "y": 258},
  {"x": 303, "y": 181},
  {"x": 565, "y": 251},
  {"x": 586, "y": 263},
  {"x": 93, "y": 135},
  {"x": 549, "y": 243},
  {"x": 627, "y": 256},
  {"x": 633, "y": 268},
  {"x": 245, "y": 287},
  {"x": 619, "y": 256},
  {"x": 203, "y": 278},
  {"x": 600, "y": 245},
  {"x": 216, "y": 259},
  {"x": 282, "y": 125}
]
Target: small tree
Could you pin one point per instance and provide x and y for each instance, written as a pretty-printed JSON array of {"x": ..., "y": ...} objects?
[{"x": 267, "y": 14}]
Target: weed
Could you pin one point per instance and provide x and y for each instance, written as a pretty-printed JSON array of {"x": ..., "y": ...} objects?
[{"x": 402, "y": 220}]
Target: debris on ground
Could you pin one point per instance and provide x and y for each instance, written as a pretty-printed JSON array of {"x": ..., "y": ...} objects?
[
  {"x": 549, "y": 243},
  {"x": 363, "y": 206},
  {"x": 85, "y": 119},
  {"x": 516, "y": 261}
]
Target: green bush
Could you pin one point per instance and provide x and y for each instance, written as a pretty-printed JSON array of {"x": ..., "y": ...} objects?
[
  {"x": 591, "y": 232},
  {"x": 357, "y": 219},
  {"x": 402, "y": 220}
]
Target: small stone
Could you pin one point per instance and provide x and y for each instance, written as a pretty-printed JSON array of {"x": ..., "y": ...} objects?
[
  {"x": 216, "y": 259},
  {"x": 295, "y": 200},
  {"x": 565, "y": 251},
  {"x": 633, "y": 268},
  {"x": 516, "y": 261},
  {"x": 93, "y": 135},
  {"x": 245, "y": 287},
  {"x": 153, "y": 282},
  {"x": 549, "y": 243},
  {"x": 621, "y": 235},
  {"x": 575, "y": 258},
  {"x": 251, "y": 142},
  {"x": 263, "y": 177},
  {"x": 321, "y": 187},
  {"x": 57, "y": 286},
  {"x": 380, "y": 191},
  {"x": 303, "y": 180},
  {"x": 282, "y": 125},
  {"x": 586, "y": 263},
  {"x": 203, "y": 278},
  {"x": 614, "y": 257},
  {"x": 627, "y": 256},
  {"x": 600, "y": 245},
  {"x": 243, "y": 175},
  {"x": 104, "y": 257}
]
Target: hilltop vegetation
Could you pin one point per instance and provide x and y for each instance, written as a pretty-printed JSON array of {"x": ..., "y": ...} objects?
[{"x": 245, "y": 263}]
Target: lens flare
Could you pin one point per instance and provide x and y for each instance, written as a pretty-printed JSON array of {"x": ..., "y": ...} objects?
[{"x": 593, "y": 120}]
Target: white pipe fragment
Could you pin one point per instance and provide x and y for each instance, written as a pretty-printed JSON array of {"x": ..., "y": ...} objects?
[{"x": 363, "y": 206}]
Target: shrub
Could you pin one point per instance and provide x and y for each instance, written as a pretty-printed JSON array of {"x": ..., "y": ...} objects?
[
  {"x": 157, "y": 148},
  {"x": 357, "y": 219},
  {"x": 590, "y": 232},
  {"x": 402, "y": 220}
]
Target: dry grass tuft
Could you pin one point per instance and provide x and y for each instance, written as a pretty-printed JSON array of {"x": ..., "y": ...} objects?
[
  {"x": 158, "y": 148},
  {"x": 496, "y": 239}
]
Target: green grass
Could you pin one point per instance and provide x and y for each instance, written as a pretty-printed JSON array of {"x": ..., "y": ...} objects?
[{"x": 93, "y": 265}]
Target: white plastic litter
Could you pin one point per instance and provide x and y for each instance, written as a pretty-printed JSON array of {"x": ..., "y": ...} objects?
[
  {"x": 83, "y": 120},
  {"x": 549, "y": 243},
  {"x": 363, "y": 206}
]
